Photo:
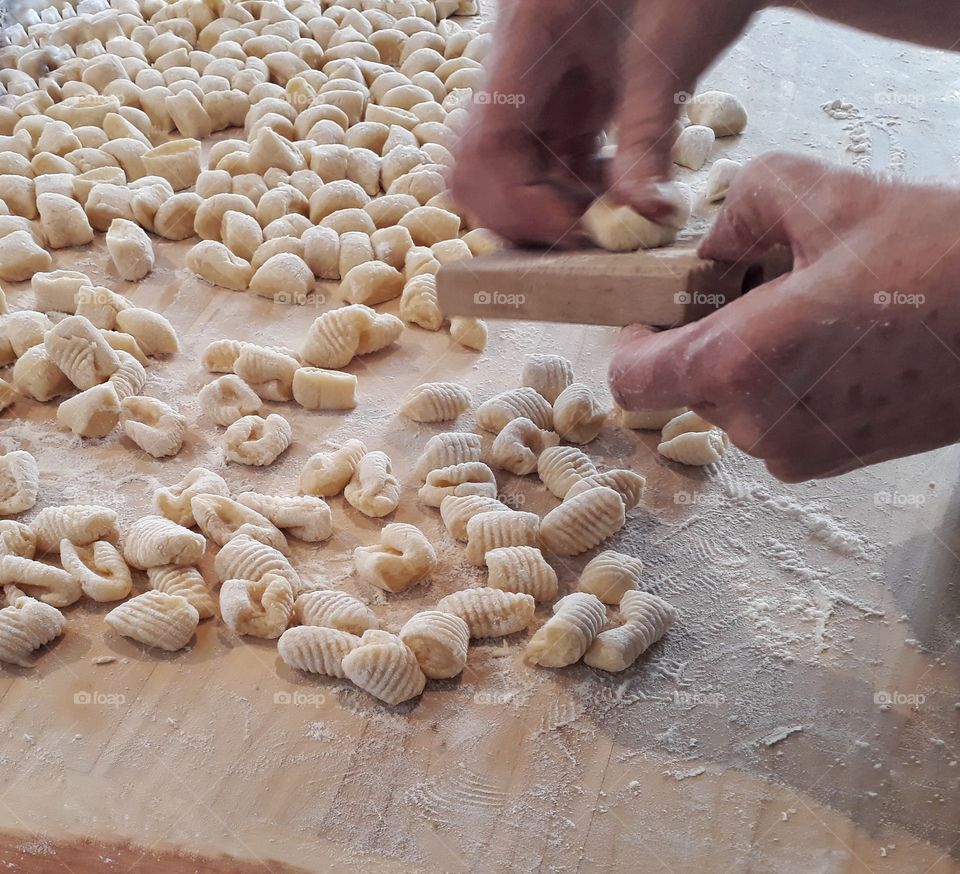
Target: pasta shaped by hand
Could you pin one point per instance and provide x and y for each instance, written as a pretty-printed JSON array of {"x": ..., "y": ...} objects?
[
  {"x": 155, "y": 619},
  {"x": 494, "y": 529},
  {"x": 229, "y": 398},
  {"x": 327, "y": 473},
  {"x": 446, "y": 450},
  {"x": 175, "y": 502},
  {"x": 268, "y": 372},
  {"x": 80, "y": 352},
  {"x": 384, "y": 666},
  {"x": 221, "y": 518},
  {"x": 305, "y": 517},
  {"x": 187, "y": 582},
  {"x": 518, "y": 446},
  {"x": 547, "y": 374},
  {"x": 53, "y": 586},
  {"x": 245, "y": 558},
  {"x": 338, "y": 335},
  {"x": 439, "y": 641},
  {"x": 19, "y": 482},
  {"x": 17, "y": 539},
  {"x": 154, "y": 426},
  {"x": 469, "y": 478},
  {"x": 436, "y": 402},
  {"x": 567, "y": 635},
  {"x": 469, "y": 331},
  {"x": 646, "y": 619},
  {"x": 456, "y": 512},
  {"x": 648, "y": 420},
  {"x": 583, "y": 522},
  {"x": 561, "y": 466},
  {"x": 494, "y": 414},
  {"x": 99, "y": 568},
  {"x": 373, "y": 489},
  {"x": 91, "y": 413},
  {"x": 490, "y": 612},
  {"x": 610, "y": 575},
  {"x": 334, "y": 609},
  {"x": 317, "y": 649},
  {"x": 25, "y": 626},
  {"x": 521, "y": 569},
  {"x": 626, "y": 483},
  {"x": 153, "y": 540},
  {"x": 692, "y": 440},
  {"x": 79, "y": 523},
  {"x": 260, "y": 608},
  {"x": 577, "y": 415},
  {"x": 403, "y": 557},
  {"x": 255, "y": 441}
]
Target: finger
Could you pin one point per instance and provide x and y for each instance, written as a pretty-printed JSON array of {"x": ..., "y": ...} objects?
[{"x": 663, "y": 59}]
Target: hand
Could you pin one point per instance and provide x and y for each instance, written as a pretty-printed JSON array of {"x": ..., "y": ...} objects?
[
  {"x": 563, "y": 71},
  {"x": 851, "y": 359}
]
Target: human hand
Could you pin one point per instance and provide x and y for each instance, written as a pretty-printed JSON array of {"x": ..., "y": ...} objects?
[
  {"x": 851, "y": 359},
  {"x": 563, "y": 72}
]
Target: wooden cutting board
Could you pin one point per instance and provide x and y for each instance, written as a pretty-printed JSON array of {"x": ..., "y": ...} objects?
[{"x": 662, "y": 287}]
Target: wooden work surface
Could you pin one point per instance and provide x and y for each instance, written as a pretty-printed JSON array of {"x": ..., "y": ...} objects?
[{"x": 750, "y": 740}]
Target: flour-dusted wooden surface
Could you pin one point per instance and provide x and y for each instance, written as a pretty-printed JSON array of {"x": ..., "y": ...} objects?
[{"x": 801, "y": 717}]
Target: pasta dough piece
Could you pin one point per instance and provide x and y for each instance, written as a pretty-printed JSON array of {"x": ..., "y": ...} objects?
[
  {"x": 19, "y": 482},
  {"x": 54, "y": 586},
  {"x": 439, "y": 641},
  {"x": 583, "y": 522},
  {"x": 36, "y": 376},
  {"x": 130, "y": 249},
  {"x": 155, "y": 540},
  {"x": 99, "y": 569},
  {"x": 626, "y": 483},
  {"x": 721, "y": 176},
  {"x": 153, "y": 332},
  {"x": 610, "y": 575},
  {"x": 384, "y": 666},
  {"x": 256, "y": 441},
  {"x": 648, "y": 420},
  {"x": 457, "y": 511},
  {"x": 418, "y": 302},
  {"x": 81, "y": 524},
  {"x": 176, "y": 502},
  {"x": 187, "y": 582},
  {"x": 559, "y": 467},
  {"x": 721, "y": 112},
  {"x": 63, "y": 221},
  {"x": 577, "y": 415},
  {"x": 57, "y": 290},
  {"x": 25, "y": 626},
  {"x": 7, "y": 395},
  {"x": 217, "y": 264},
  {"x": 403, "y": 557},
  {"x": 318, "y": 389},
  {"x": 446, "y": 450},
  {"x": 338, "y": 335},
  {"x": 494, "y": 528},
  {"x": 305, "y": 517},
  {"x": 91, "y": 413},
  {"x": 21, "y": 331},
  {"x": 373, "y": 489},
  {"x": 267, "y": 371},
  {"x": 692, "y": 440},
  {"x": 646, "y": 619},
  {"x": 80, "y": 352},
  {"x": 370, "y": 283},
  {"x": 229, "y": 398},
  {"x": 100, "y": 305},
  {"x": 245, "y": 558},
  {"x": 221, "y": 518},
  {"x": 259, "y": 608},
  {"x": 316, "y": 649},
  {"x": 693, "y": 146},
  {"x": 130, "y": 377},
  {"x": 518, "y": 446},
  {"x": 566, "y": 636},
  {"x": 521, "y": 569},
  {"x": 469, "y": 478},
  {"x": 620, "y": 229},
  {"x": 334, "y": 609},
  {"x": 493, "y": 415},
  {"x": 17, "y": 539},
  {"x": 21, "y": 257},
  {"x": 155, "y": 619},
  {"x": 548, "y": 375},
  {"x": 285, "y": 278},
  {"x": 155, "y": 427},
  {"x": 326, "y": 474},
  {"x": 490, "y": 612},
  {"x": 436, "y": 402}
]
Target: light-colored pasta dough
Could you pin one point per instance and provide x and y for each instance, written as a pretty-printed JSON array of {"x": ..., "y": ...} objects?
[
  {"x": 646, "y": 619},
  {"x": 403, "y": 557},
  {"x": 155, "y": 619},
  {"x": 566, "y": 636},
  {"x": 490, "y": 612},
  {"x": 386, "y": 667}
]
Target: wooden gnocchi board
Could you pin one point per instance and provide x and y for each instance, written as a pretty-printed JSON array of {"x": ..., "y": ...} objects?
[{"x": 751, "y": 740}]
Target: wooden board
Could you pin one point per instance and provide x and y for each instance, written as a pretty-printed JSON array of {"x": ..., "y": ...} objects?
[
  {"x": 221, "y": 759},
  {"x": 663, "y": 288}
]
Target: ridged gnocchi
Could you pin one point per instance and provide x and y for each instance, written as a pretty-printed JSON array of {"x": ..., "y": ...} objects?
[
  {"x": 494, "y": 529},
  {"x": 155, "y": 540},
  {"x": 548, "y": 375},
  {"x": 490, "y": 612},
  {"x": 647, "y": 618},
  {"x": 448, "y": 449},
  {"x": 521, "y": 569},
  {"x": 305, "y": 517},
  {"x": 19, "y": 482},
  {"x": 469, "y": 478},
  {"x": 610, "y": 575},
  {"x": 185, "y": 581},
  {"x": 259, "y": 608},
  {"x": 566, "y": 636},
  {"x": 155, "y": 619},
  {"x": 439, "y": 641},
  {"x": 79, "y": 523},
  {"x": 334, "y": 609},
  {"x": 581, "y": 523},
  {"x": 385, "y": 667},
  {"x": 401, "y": 558},
  {"x": 373, "y": 489},
  {"x": 577, "y": 415},
  {"x": 436, "y": 402},
  {"x": 317, "y": 649},
  {"x": 25, "y": 626},
  {"x": 518, "y": 446},
  {"x": 559, "y": 467},
  {"x": 326, "y": 474},
  {"x": 494, "y": 414},
  {"x": 175, "y": 502}
]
